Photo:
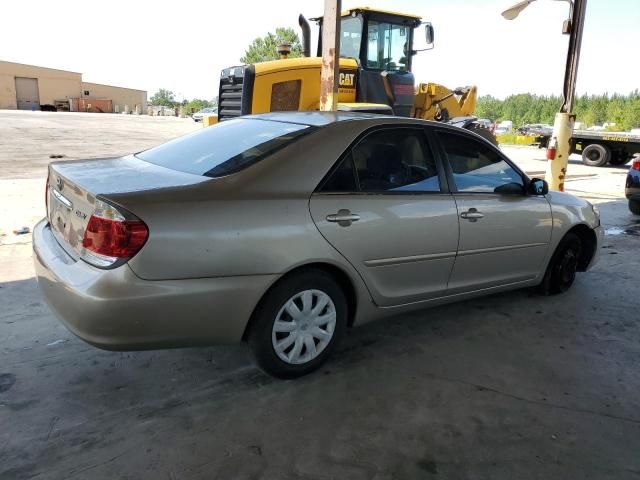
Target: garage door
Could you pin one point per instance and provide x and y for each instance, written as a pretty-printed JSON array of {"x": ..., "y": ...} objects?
[{"x": 27, "y": 93}]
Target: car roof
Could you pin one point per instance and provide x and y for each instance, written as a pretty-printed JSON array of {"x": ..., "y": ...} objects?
[{"x": 321, "y": 119}]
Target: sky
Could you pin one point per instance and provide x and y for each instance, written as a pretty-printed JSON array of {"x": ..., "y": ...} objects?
[{"x": 183, "y": 45}]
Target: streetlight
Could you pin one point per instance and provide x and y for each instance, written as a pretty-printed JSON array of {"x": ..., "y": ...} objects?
[
  {"x": 559, "y": 147},
  {"x": 513, "y": 12}
]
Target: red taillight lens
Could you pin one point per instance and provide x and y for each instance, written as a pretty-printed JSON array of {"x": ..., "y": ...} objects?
[
  {"x": 114, "y": 238},
  {"x": 635, "y": 165}
]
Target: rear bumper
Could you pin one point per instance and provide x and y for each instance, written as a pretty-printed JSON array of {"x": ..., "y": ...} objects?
[
  {"x": 632, "y": 184},
  {"x": 116, "y": 310}
]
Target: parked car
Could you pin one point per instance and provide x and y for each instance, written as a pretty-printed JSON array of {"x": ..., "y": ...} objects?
[
  {"x": 285, "y": 229},
  {"x": 485, "y": 123},
  {"x": 632, "y": 185},
  {"x": 535, "y": 129},
  {"x": 205, "y": 112}
]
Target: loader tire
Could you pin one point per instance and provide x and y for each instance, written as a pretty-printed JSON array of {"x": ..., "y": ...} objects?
[{"x": 483, "y": 132}]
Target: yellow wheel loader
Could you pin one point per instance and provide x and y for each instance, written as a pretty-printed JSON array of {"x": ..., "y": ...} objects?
[{"x": 376, "y": 52}]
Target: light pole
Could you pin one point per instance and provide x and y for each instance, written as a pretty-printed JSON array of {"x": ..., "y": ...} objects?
[
  {"x": 559, "y": 147},
  {"x": 330, "y": 56}
]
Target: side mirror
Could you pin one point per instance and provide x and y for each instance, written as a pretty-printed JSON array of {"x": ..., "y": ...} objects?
[
  {"x": 511, "y": 188},
  {"x": 428, "y": 33},
  {"x": 538, "y": 186}
]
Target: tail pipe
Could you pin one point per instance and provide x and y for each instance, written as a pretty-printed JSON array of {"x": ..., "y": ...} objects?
[{"x": 306, "y": 36}]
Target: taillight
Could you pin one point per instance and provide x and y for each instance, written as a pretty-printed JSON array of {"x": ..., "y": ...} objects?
[
  {"x": 111, "y": 238},
  {"x": 635, "y": 165}
]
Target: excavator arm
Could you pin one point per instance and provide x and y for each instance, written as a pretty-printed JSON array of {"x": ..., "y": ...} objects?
[{"x": 437, "y": 102}]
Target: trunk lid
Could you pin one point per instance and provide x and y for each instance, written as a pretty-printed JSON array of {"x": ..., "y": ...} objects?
[{"x": 74, "y": 186}]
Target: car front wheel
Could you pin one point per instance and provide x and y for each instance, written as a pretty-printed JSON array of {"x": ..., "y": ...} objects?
[
  {"x": 298, "y": 324},
  {"x": 561, "y": 271}
]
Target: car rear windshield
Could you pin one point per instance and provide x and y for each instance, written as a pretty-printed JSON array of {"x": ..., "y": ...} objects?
[{"x": 224, "y": 148}]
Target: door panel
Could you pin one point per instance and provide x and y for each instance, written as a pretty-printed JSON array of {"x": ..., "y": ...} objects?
[
  {"x": 403, "y": 246},
  {"x": 506, "y": 244},
  {"x": 27, "y": 96}
]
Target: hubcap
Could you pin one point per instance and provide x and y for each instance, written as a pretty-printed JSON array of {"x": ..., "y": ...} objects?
[
  {"x": 568, "y": 267},
  {"x": 304, "y": 326}
]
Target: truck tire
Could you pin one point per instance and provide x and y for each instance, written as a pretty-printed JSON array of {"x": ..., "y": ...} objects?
[
  {"x": 483, "y": 132},
  {"x": 596, "y": 155},
  {"x": 619, "y": 159},
  {"x": 634, "y": 206}
]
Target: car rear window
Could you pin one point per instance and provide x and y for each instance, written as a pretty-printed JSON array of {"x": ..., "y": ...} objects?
[{"x": 224, "y": 148}]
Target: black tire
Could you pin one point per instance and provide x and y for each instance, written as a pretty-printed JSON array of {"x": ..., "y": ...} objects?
[
  {"x": 634, "y": 206},
  {"x": 261, "y": 330},
  {"x": 619, "y": 159},
  {"x": 483, "y": 132},
  {"x": 596, "y": 155},
  {"x": 562, "y": 268}
]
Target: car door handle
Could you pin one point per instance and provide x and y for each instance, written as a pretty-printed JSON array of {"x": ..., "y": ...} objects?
[
  {"x": 344, "y": 218},
  {"x": 472, "y": 215}
]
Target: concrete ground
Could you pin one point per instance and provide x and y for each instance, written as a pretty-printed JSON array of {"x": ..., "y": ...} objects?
[{"x": 509, "y": 386}]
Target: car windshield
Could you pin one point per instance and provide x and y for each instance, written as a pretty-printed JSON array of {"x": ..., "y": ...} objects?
[{"x": 224, "y": 148}]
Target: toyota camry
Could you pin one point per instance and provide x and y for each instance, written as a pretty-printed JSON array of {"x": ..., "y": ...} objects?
[{"x": 285, "y": 229}]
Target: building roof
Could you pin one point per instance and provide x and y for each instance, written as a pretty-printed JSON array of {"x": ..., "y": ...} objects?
[
  {"x": 39, "y": 66},
  {"x": 113, "y": 86}
]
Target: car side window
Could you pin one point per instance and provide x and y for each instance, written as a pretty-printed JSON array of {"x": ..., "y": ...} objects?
[
  {"x": 478, "y": 168},
  {"x": 343, "y": 178},
  {"x": 389, "y": 160}
]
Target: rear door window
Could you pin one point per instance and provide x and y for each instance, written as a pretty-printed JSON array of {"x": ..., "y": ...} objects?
[
  {"x": 225, "y": 148},
  {"x": 390, "y": 160}
]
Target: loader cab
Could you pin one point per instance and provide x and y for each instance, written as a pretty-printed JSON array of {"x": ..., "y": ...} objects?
[
  {"x": 378, "y": 39},
  {"x": 382, "y": 44}
]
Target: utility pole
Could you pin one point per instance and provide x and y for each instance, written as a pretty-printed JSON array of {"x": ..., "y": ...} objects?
[
  {"x": 559, "y": 147},
  {"x": 330, "y": 56}
]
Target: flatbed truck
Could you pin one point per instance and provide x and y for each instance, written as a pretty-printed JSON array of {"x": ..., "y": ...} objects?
[{"x": 600, "y": 148}]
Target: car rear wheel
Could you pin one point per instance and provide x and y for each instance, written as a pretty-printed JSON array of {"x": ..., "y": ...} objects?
[
  {"x": 298, "y": 324},
  {"x": 596, "y": 155},
  {"x": 561, "y": 271},
  {"x": 634, "y": 206}
]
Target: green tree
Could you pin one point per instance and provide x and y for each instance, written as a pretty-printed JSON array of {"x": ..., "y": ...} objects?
[
  {"x": 197, "y": 104},
  {"x": 163, "y": 97},
  {"x": 265, "y": 48},
  {"x": 623, "y": 110}
]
